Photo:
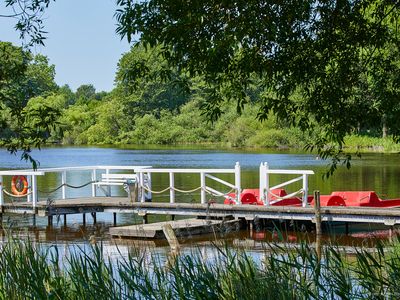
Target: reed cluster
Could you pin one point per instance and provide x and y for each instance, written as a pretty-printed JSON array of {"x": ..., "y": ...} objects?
[{"x": 32, "y": 271}]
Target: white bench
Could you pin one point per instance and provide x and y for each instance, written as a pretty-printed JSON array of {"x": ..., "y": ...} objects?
[{"x": 116, "y": 179}]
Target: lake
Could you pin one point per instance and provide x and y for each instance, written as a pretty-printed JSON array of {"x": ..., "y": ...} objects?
[{"x": 379, "y": 172}]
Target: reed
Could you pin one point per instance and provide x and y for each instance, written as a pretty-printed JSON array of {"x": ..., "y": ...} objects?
[{"x": 33, "y": 271}]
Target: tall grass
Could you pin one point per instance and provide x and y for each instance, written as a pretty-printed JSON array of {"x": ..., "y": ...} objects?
[{"x": 31, "y": 271}]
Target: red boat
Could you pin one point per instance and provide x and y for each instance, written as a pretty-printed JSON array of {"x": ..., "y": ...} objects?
[{"x": 344, "y": 198}]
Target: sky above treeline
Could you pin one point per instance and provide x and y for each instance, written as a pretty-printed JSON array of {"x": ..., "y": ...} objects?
[{"x": 81, "y": 41}]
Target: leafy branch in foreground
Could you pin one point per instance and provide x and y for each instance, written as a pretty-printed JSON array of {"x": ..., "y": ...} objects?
[{"x": 331, "y": 63}]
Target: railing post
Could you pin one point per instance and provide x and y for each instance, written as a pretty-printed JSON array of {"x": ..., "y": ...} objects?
[
  {"x": 203, "y": 197},
  {"x": 63, "y": 182},
  {"x": 30, "y": 192},
  {"x": 237, "y": 182},
  {"x": 305, "y": 190},
  {"x": 262, "y": 174},
  {"x": 266, "y": 182},
  {"x": 1, "y": 192},
  {"x": 108, "y": 187},
  {"x": 94, "y": 178},
  {"x": 149, "y": 195},
  {"x": 141, "y": 187},
  {"x": 34, "y": 191},
  {"x": 171, "y": 188}
]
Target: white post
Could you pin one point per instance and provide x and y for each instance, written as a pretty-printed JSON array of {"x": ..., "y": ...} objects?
[
  {"x": 1, "y": 191},
  {"x": 34, "y": 191},
  {"x": 203, "y": 197},
  {"x": 171, "y": 188},
  {"x": 30, "y": 188},
  {"x": 305, "y": 190},
  {"x": 237, "y": 182},
  {"x": 94, "y": 178},
  {"x": 149, "y": 195},
  {"x": 63, "y": 182},
  {"x": 141, "y": 189},
  {"x": 108, "y": 187},
  {"x": 266, "y": 167},
  {"x": 262, "y": 178}
]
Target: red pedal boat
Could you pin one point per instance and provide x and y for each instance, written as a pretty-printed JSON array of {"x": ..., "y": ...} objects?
[{"x": 341, "y": 198}]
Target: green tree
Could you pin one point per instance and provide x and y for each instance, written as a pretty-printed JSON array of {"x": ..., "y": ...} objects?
[
  {"x": 23, "y": 127},
  {"x": 148, "y": 85},
  {"x": 312, "y": 57},
  {"x": 85, "y": 93}
]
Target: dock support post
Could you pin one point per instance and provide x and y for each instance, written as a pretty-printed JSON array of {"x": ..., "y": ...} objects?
[
  {"x": 84, "y": 219},
  {"x": 391, "y": 233},
  {"x": 145, "y": 220},
  {"x": 115, "y": 219},
  {"x": 318, "y": 228},
  {"x": 172, "y": 217},
  {"x": 65, "y": 220},
  {"x": 346, "y": 228},
  {"x": 50, "y": 220},
  {"x": 94, "y": 217},
  {"x": 34, "y": 220},
  {"x": 171, "y": 237}
]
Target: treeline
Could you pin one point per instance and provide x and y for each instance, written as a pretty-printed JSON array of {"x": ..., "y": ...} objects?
[{"x": 161, "y": 106}]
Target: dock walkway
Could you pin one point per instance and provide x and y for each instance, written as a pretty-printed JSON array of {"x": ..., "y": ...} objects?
[{"x": 386, "y": 216}]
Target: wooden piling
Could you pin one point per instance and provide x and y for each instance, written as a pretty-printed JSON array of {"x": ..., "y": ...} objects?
[
  {"x": 318, "y": 228},
  {"x": 84, "y": 219},
  {"x": 115, "y": 219},
  {"x": 171, "y": 237},
  {"x": 65, "y": 220},
  {"x": 50, "y": 220},
  {"x": 94, "y": 217}
]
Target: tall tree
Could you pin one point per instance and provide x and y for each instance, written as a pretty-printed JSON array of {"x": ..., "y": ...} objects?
[
  {"x": 23, "y": 127},
  {"x": 314, "y": 58}
]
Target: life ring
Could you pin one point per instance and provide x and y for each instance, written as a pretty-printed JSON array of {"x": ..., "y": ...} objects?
[{"x": 19, "y": 185}]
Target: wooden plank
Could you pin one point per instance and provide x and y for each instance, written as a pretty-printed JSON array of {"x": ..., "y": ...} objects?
[{"x": 181, "y": 228}]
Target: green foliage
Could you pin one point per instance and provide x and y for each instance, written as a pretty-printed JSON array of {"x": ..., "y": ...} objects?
[
  {"x": 22, "y": 77},
  {"x": 330, "y": 63}
]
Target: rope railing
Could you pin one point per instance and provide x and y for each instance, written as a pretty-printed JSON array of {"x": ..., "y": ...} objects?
[
  {"x": 279, "y": 198},
  {"x": 16, "y": 196},
  {"x": 68, "y": 185},
  {"x": 190, "y": 191},
  {"x": 226, "y": 195}
]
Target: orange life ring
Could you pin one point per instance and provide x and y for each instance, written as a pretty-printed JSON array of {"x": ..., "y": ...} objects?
[{"x": 19, "y": 185}]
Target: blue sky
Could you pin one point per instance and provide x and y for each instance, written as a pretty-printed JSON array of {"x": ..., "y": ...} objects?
[{"x": 81, "y": 41}]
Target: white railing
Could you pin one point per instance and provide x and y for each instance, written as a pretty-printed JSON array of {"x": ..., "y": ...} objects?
[
  {"x": 32, "y": 176},
  {"x": 203, "y": 188},
  {"x": 265, "y": 189},
  {"x": 143, "y": 178}
]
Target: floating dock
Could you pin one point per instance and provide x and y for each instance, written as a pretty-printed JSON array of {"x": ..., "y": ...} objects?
[{"x": 182, "y": 228}]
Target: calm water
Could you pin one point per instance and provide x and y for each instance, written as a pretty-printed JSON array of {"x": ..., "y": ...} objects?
[{"x": 379, "y": 172}]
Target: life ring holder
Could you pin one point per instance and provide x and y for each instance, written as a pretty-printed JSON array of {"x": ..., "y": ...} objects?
[{"x": 19, "y": 185}]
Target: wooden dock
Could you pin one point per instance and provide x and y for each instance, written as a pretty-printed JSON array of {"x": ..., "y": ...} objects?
[
  {"x": 182, "y": 228},
  {"x": 386, "y": 216}
]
